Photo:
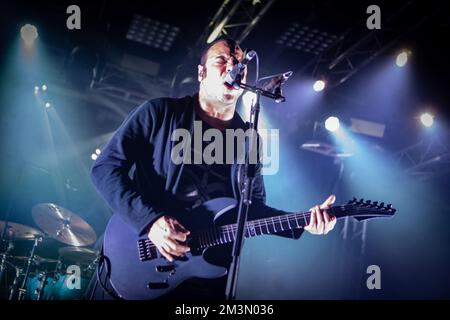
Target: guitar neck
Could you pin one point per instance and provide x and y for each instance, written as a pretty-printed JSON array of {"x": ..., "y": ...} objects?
[{"x": 227, "y": 233}]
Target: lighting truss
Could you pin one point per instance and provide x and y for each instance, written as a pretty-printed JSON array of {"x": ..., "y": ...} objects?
[
  {"x": 235, "y": 19},
  {"x": 129, "y": 86},
  {"x": 357, "y": 47},
  {"x": 427, "y": 158}
]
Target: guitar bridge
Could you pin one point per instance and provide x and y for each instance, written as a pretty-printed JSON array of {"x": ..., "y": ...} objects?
[{"x": 146, "y": 249}]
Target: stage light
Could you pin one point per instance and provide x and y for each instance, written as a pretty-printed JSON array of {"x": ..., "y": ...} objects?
[
  {"x": 332, "y": 124},
  {"x": 152, "y": 32},
  {"x": 44, "y": 87},
  {"x": 98, "y": 151},
  {"x": 319, "y": 85},
  {"x": 36, "y": 90},
  {"x": 402, "y": 59},
  {"x": 48, "y": 105},
  {"x": 427, "y": 119},
  {"x": 94, "y": 156},
  {"x": 306, "y": 39},
  {"x": 29, "y": 34}
]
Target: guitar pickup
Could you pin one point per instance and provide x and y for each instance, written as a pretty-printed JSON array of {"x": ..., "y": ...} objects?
[
  {"x": 147, "y": 251},
  {"x": 158, "y": 285},
  {"x": 167, "y": 268}
]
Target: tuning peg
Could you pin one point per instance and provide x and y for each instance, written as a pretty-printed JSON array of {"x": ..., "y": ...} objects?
[
  {"x": 381, "y": 205},
  {"x": 389, "y": 206},
  {"x": 375, "y": 204},
  {"x": 368, "y": 202},
  {"x": 361, "y": 201}
]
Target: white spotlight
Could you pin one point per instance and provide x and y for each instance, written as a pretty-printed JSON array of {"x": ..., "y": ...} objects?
[
  {"x": 94, "y": 156},
  {"x": 402, "y": 59},
  {"x": 44, "y": 87},
  {"x": 36, "y": 90},
  {"x": 332, "y": 124},
  {"x": 427, "y": 119},
  {"x": 29, "y": 33},
  {"x": 319, "y": 85},
  {"x": 48, "y": 105},
  {"x": 98, "y": 151}
]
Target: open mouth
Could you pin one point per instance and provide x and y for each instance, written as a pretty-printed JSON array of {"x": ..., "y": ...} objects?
[{"x": 229, "y": 88}]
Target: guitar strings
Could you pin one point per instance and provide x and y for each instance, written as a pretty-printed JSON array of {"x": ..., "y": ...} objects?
[{"x": 226, "y": 229}]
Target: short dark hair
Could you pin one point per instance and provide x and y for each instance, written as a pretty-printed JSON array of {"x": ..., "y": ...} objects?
[{"x": 230, "y": 42}]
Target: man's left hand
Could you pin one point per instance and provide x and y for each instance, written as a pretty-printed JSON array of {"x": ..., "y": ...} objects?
[{"x": 321, "y": 222}]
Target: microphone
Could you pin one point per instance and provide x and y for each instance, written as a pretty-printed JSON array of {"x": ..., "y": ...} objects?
[{"x": 233, "y": 77}]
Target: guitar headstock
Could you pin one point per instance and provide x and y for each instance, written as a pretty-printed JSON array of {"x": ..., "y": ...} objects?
[{"x": 364, "y": 209}]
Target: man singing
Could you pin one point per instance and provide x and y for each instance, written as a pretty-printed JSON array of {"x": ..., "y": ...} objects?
[{"x": 153, "y": 199}]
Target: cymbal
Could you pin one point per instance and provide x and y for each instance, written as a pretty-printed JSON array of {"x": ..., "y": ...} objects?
[
  {"x": 63, "y": 225},
  {"x": 77, "y": 255},
  {"x": 37, "y": 259},
  {"x": 19, "y": 231}
]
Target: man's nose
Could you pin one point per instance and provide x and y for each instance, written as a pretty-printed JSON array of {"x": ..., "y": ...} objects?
[{"x": 230, "y": 65}]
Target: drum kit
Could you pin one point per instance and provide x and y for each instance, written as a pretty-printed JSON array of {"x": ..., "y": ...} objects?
[{"x": 32, "y": 269}]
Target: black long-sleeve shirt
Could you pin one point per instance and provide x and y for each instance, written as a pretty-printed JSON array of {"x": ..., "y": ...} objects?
[{"x": 143, "y": 142}]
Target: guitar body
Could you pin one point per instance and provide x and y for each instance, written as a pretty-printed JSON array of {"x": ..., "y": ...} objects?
[{"x": 135, "y": 279}]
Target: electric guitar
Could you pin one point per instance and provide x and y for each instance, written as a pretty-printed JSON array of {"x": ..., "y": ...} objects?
[{"x": 138, "y": 271}]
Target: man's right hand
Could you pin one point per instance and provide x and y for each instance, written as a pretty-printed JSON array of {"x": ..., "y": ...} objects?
[{"x": 165, "y": 233}]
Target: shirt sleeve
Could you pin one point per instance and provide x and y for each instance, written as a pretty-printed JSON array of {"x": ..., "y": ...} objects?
[{"x": 110, "y": 172}]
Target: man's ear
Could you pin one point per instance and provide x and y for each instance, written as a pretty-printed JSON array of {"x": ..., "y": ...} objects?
[{"x": 201, "y": 72}]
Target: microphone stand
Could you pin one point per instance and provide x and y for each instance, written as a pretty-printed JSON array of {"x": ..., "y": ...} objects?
[{"x": 246, "y": 192}]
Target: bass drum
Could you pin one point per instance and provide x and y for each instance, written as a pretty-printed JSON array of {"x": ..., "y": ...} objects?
[{"x": 40, "y": 287}]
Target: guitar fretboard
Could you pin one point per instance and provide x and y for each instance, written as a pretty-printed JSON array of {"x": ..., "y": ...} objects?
[{"x": 227, "y": 233}]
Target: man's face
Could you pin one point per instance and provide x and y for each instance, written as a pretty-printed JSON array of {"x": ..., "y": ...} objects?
[{"x": 220, "y": 59}]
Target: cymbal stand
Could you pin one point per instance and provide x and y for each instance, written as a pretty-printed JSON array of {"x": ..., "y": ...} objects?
[
  {"x": 3, "y": 262},
  {"x": 12, "y": 292},
  {"x": 40, "y": 290},
  {"x": 22, "y": 289}
]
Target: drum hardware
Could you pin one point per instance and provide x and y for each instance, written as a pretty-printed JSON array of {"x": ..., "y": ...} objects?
[
  {"x": 12, "y": 292},
  {"x": 3, "y": 261},
  {"x": 22, "y": 289},
  {"x": 43, "y": 283},
  {"x": 92, "y": 266}
]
